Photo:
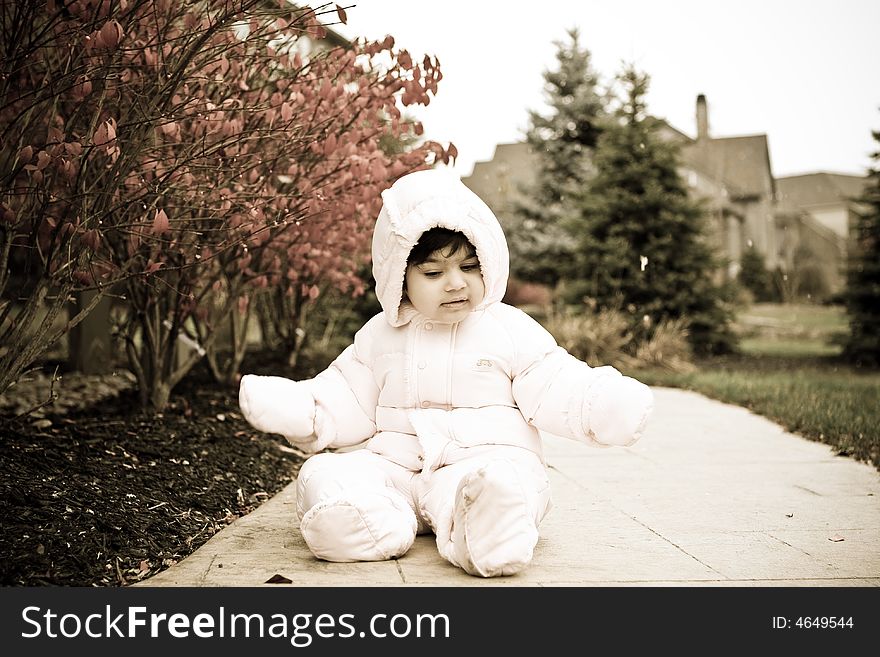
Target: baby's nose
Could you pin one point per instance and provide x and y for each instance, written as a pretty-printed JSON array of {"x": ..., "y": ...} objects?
[{"x": 455, "y": 281}]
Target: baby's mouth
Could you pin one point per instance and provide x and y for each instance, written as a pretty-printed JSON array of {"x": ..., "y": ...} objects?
[{"x": 455, "y": 304}]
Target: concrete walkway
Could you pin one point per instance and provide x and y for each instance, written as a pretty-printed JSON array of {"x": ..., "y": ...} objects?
[{"x": 711, "y": 495}]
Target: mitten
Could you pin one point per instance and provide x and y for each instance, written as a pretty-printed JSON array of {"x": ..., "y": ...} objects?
[
  {"x": 277, "y": 405},
  {"x": 618, "y": 410}
]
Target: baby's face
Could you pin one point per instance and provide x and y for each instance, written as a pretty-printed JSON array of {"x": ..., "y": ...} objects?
[{"x": 447, "y": 286}]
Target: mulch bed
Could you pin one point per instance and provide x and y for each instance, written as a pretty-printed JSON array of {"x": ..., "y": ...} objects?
[{"x": 108, "y": 495}]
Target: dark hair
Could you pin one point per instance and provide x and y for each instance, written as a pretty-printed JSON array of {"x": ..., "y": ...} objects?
[{"x": 439, "y": 239}]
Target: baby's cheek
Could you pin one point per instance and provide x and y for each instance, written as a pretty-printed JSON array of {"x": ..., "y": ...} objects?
[{"x": 480, "y": 285}]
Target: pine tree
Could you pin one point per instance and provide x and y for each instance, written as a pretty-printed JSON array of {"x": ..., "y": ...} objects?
[
  {"x": 862, "y": 294},
  {"x": 754, "y": 276},
  {"x": 641, "y": 239},
  {"x": 563, "y": 142}
]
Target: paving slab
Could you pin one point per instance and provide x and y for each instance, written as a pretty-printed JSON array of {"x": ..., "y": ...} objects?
[{"x": 712, "y": 495}]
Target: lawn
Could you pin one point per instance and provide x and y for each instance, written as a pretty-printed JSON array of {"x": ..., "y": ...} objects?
[
  {"x": 791, "y": 330},
  {"x": 789, "y": 371}
]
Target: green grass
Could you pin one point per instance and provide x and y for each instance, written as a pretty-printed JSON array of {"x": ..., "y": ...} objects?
[
  {"x": 790, "y": 347},
  {"x": 797, "y": 330},
  {"x": 795, "y": 318},
  {"x": 788, "y": 372}
]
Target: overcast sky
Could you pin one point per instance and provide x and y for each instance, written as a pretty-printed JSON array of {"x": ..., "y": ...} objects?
[{"x": 805, "y": 73}]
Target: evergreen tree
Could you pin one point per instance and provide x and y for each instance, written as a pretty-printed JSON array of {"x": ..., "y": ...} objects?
[
  {"x": 862, "y": 295},
  {"x": 754, "y": 276},
  {"x": 562, "y": 142},
  {"x": 641, "y": 240}
]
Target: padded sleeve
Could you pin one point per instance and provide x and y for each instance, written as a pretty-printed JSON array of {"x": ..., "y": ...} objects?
[
  {"x": 346, "y": 395},
  {"x": 562, "y": 395}
]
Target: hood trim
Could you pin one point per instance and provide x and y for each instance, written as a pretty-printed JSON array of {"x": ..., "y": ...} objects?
[{"x": 418, "y": 202}]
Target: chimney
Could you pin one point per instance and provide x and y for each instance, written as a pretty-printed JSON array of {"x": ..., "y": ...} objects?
[{"x": 702, "y": 118}]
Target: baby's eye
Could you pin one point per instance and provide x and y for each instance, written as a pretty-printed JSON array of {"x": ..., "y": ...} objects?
[
  {"x": 470, "y": 267},
  {"x": 431, "y": 274}
]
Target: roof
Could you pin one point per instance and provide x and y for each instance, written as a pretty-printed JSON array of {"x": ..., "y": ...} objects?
[
  {"x": 744, "y": 162},
  {"x": 670, "y": 133},
  {"x": 516, "y": 158},
  {"x": 513, "y": 147},
  {"x": 820, "y": 188}
]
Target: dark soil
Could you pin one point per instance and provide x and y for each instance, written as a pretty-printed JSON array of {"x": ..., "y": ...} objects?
[{"x": 108, "y": 495}]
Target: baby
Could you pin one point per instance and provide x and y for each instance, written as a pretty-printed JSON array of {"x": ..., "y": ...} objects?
[{"x": 448, "y": 387}]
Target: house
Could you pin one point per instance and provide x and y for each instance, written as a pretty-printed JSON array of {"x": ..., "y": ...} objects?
[
  {"x": 794, "y": 222},
  {"x": 824, "y": 206}
]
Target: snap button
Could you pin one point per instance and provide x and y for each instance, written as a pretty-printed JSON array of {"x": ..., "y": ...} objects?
[
  {"x": 425, "y": 404},
  {"x": 429, "y": 326},
  {"x": 422, "y": 365}
]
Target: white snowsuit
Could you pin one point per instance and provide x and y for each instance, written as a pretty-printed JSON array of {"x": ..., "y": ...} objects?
[{"x": 450, "y": 412}]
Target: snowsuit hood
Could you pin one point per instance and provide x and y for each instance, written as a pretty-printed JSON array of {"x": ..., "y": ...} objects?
[{"x": 416, "y": 203}]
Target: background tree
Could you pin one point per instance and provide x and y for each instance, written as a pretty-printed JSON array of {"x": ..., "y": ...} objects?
[
  {"x": 562, "y": 141},
  {"x": 641, "y": 245},
  {"x": 395, "y": 145},
  {"x": 188, "y": 151},
  {"x": 755, "y": 277},
  {"x": 862, "y": 293},
  {"x": 54, "y": 192},
  {"x": 327, "y": 324}
]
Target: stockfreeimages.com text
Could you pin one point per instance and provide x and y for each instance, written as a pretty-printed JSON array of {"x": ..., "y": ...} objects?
[{"x": 300, "y": 629}]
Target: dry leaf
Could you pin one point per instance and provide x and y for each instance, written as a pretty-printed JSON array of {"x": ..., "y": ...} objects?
[
  {"x": 836, "y": 538},
  {"x": 160, "y": 223},
  {"x": 278, "y": 579}
]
